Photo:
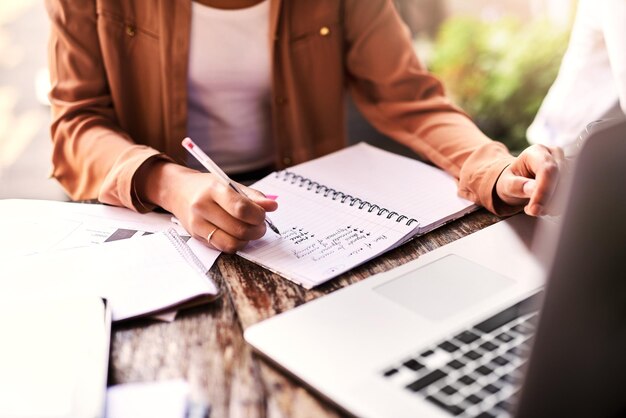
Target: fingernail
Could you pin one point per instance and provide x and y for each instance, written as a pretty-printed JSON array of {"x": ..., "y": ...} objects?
[
  {"x": 271, "y": 196},
  {"x": 534, "y": 210},
  {"x": 529, "y": 187}
]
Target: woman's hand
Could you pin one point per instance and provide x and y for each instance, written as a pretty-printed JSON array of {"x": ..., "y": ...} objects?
[
  {"x": 206, "y": 207},
  {"x": 531, "y": 179}
]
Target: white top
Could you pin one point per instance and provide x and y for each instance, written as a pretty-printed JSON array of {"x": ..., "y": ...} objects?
[
  {"x": 230, "y": 86},
  {"x": 592, "y": 77}
]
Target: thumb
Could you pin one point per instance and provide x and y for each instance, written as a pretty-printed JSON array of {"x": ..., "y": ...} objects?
[
  {"x": 529, "y": 187},
  {"x": 514, "y": 187}
]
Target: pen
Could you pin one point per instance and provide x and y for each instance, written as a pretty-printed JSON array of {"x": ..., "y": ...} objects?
[{"x": 208, "y": 163}]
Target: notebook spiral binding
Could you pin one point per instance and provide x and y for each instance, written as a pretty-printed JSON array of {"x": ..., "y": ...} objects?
[
  {"x": 185, "y": 251},
  {"x": 318, "y": 188}
]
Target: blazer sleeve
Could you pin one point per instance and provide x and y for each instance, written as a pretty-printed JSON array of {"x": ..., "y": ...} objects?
[
  {"x": 403, "y": 101},
  {"x": 92, "y": 156}
]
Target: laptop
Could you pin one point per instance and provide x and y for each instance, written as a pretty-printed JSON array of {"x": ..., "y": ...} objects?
[{"x": 458, "y": 331}]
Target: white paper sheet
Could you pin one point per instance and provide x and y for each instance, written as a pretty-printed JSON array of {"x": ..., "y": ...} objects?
[
  {"x": 33, "y": 226},
  {"x": 54, "y": 356},
  {"x": 165, "y": 399}
]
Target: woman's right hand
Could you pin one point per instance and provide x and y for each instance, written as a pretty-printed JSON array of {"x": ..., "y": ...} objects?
[{"x": 205, "y": 206}]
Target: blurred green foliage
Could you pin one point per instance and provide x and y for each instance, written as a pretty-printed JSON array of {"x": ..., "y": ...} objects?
[{"x": 499, "y": 72}]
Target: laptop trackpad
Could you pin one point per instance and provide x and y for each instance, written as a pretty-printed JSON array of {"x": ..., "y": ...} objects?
[{"x": 444, "y": 287}]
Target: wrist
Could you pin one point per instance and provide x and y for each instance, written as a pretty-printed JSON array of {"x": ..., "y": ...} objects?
[{"x": 157, "y": 182}]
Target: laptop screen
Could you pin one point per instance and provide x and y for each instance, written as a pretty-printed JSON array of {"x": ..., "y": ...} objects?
[{"x": 577, "y": 366}]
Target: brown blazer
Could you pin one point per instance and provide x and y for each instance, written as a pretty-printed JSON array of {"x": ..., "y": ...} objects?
[{"x": 119, "y": 91}]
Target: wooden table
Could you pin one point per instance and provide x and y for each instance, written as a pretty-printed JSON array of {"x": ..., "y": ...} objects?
[{"x": 205, "y": 345}]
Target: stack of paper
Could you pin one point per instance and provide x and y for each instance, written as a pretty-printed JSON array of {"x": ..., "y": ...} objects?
[
  {"x": 139, "y": 276},
  {"x": 54, "y": 247}
]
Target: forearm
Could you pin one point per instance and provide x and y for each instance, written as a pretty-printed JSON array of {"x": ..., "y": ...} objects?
[
  {"x": 452, "y": 142},
  {"x": 405, "y": 102},
  {"x": 84, "y": 151},
  {"x": 159, "y": 182}
]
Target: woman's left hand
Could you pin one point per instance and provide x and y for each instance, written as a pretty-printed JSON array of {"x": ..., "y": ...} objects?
[{"x": 531, "y": 179}]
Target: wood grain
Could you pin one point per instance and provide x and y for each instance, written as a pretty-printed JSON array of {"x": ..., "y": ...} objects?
[{"x": 205, "y": 345}]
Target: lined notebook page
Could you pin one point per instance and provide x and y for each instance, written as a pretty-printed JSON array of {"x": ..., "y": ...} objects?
[
  {"x": 321, "y": 237},
  {"x": 398, "y": 183},
  {"x": 137, "y": 276}
]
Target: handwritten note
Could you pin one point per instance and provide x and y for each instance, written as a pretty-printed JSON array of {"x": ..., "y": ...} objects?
[
  {"x": 348, "y": 238},
  {"x": 321, "y": 237}
]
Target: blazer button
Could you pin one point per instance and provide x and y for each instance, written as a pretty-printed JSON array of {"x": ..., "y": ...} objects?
[
  {"x": 286, "y": 160},
  {"x": 130, "y": 30},
  {"x": 281, "y": 100},
  {"x": 324, "y": 31}
]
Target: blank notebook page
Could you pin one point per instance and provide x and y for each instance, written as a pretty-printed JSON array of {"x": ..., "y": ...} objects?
[{"x": 397, "y": 183}]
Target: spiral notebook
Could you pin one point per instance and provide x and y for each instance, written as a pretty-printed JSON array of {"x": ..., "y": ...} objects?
[
  {"x": 345, "y": 208},
  {"x": 138, "y": 277}
]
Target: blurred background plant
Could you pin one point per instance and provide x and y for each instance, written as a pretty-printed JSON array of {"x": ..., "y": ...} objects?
[{"x": 499, "y": 71}]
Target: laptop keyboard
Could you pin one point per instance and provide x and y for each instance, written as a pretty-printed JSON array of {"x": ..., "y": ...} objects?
[{"x": 477, "y": 372}]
